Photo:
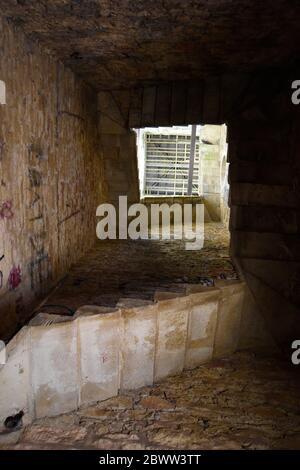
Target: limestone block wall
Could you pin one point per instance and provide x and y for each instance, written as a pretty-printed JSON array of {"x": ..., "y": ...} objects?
[
  {"x": 264, "y": 177},
  {"x": 214, "y": 172},
  {"x": 50, "y": 175},
  {"x": 65, "y": 363},
  {"x": 224, "y": 179},
  {"x": 118, "y": 149}
]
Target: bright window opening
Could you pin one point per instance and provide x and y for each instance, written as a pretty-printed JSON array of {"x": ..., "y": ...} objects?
[{"x": 163, "y": 157}]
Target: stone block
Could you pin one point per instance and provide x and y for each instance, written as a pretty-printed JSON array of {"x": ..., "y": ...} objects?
[
  {"x": 99, "y": 346},
  {"x": 48, "y": 319},
  {"x": 201, "y": 327},
  {"x": 160, "y": 295},
  {"x": 2, "y": 92},
  {"x": 210, "y": 134},
  {"x": 131, "y": 302},
  {"x": 138, "y": 346},
  {"x": 54, "y": 365},
  {"x": 172, "y": 336},
  {"x": 89, "y": 310},
  {"x": 229, "y": 317}
]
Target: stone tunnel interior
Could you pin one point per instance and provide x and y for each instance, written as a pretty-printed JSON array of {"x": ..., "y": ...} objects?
[{"x": 119, "y": 120}]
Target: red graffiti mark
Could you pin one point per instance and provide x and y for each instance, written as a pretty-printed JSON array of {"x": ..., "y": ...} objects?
[
  {"x": 6, "y": 211},
  {"x": 14, "y": 278}
]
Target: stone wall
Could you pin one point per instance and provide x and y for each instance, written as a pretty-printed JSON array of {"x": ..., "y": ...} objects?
[
  {"x": 224, "y": 183},
  {"x": 50, "y": 175},
  {"x": 213, "y": 151},
  {"x": 264, "y": 174},
  {"x": 57, "y": 364},
  {"x": 118, "y": 148}
]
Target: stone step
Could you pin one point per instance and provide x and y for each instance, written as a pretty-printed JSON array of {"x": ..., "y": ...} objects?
[{"x": 53, "y": 368}]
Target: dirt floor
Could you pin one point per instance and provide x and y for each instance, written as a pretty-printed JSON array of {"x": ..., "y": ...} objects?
[
  {"x": 136, "y": 268},
  {"x": 242, "y": 402}
]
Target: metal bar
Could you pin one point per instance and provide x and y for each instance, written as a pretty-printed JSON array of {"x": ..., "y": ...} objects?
[{"x": 192, "y": 158}]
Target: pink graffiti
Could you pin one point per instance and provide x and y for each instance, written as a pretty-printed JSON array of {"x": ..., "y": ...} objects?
[
  {"x": 14, "y": 278},
  {"x": 6, "y": 210}
]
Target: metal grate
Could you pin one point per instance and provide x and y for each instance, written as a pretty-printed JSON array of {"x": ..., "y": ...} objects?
[{"x": 167, "y": 164}]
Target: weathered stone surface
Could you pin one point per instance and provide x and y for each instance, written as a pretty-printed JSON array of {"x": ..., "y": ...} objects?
[
  {"x": 161, "y": 295},
  {"x": 47, "y": 319},
  {"x": 229, "y": 317},
  {"x": 172, "y": 336},
  {"x": 119, "y": 158},
  {"x": 10, "y": 438},
  {"x": 135, "y": 270},
  {"x": 138, "y": 346},
  {"x": 50, "y": 174},
  {"x": 89, "y": 310},
  {"x": 14, "y": 379},
  {"x": 116, "y": 403},
  {"x": 253, "y": 332},
  {"x": 103, "y": 350},
  {"x": 57, "y": 435},
  {"x": 2, "y": 92},
  {"x": 54, "y": 372},
  {"x": 99, "y": 346},
  {"x": 118, "y": 45},
  {"x": 155, "y": 403},
  {"x": 264, "y": 215},
  {"x": 201, "y": 328},
  {"x": 131, "y": 303},
  {"x": 242, "y": 402}
]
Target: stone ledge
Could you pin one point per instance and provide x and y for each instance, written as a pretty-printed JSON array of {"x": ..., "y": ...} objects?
[{"x": 55, "y": 367}]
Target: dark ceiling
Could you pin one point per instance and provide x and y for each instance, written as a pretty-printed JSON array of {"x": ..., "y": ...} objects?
[{"x": 125, "y": 43}]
